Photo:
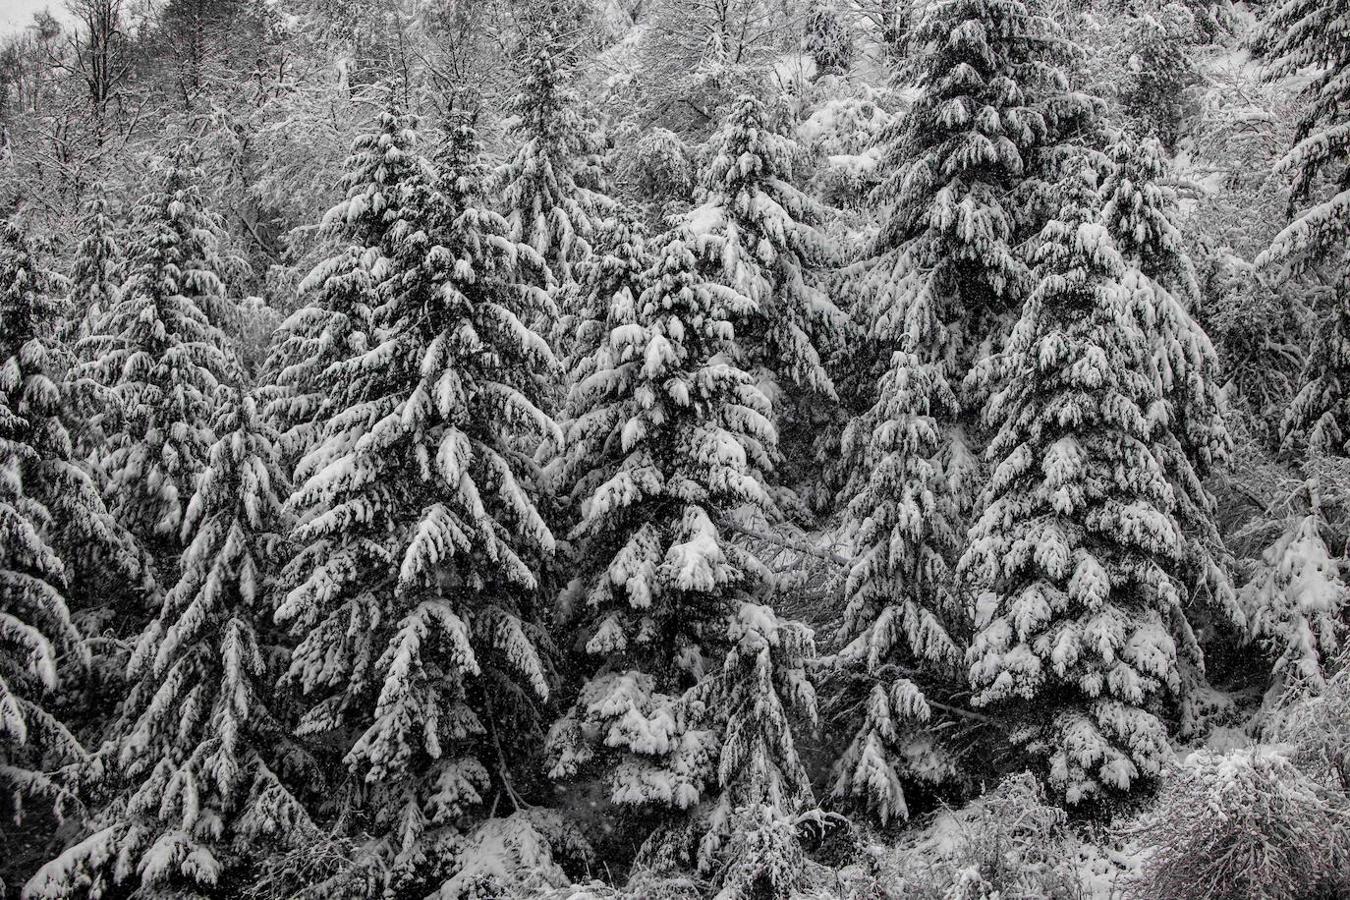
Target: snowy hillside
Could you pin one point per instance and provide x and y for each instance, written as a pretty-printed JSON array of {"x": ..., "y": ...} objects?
[{"x": 579, "y": 449}]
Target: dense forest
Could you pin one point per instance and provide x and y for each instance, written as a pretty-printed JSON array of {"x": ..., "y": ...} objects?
[{"x": 661, "y": 449}]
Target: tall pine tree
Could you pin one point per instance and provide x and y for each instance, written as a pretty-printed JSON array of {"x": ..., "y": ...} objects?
[
  {"x": 1309, "y": 35},
  {"x": 757, "y": 233},
  {"x": 160, "y": 357},
  {"x": 1073, "y": 553},
  {"x": 686, "y": 704},
  {"x": 901, "y": 631},
  {"x": 333, "y": 323},
  {"x": 550, "y": 189},
  {"x": 40, "y": 648},
  {"x": 419, "y": 648},
  {"x": 207, "y": 761},
  {"x": 1191, "y": 431}
]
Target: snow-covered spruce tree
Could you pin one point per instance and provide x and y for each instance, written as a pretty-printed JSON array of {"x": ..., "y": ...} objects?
[
  {"x": 550, "y": 189},
  {"x": 828, "y": 39},
  {"x": 1072, "y": 554},
  {"x": 1319, "y": 416},
  {"x": 1190, "y": 429},
  {"x": 615, "y": 267},
  {"x": 1309, "y": 35},
  {"x": 763, "y": 690},
  {"x": 902, "y": 615},
  {"x": 206, "y": 760},
  {"x": 1295, "y": 603},
  {"x": 104, "y": 579},
  {"x": 756, "y": 233},
  {"x": 95, "y": 285},
  {"x": 685, "y": 707},
  {"x": 96, "y": 270},
  {"x": 1159, "y": 69},
  {"x": 333, "y": 324},
  {"x": 965, "y": 186},
  {"x": 159, "y": 357},
  {"x": 39, "y": 645},
  {"x": 417, "y": 520}
]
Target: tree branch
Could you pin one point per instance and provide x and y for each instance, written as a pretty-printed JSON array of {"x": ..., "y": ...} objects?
[{"x": 786, "y": 542}]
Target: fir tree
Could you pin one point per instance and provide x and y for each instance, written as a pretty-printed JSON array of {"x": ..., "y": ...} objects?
[
  {"x": 1296, "y": 602},
  {"x": 1309, "y": 35},
  {"x": 964, "y": 165},
  {"x": 764, "y": 690},
  {"x": 1190, "y": 428},
  {"x": 95, "y": 286},
  {"x": 95, "y": 272},
  {"x": 1073, "y": 552},
  {"x": 616, "y": 267},
  {"x": 1319, "y": 416},
  {"x": 757, "y": 234},
  {"x": 690, "y": 680},
  {"x": 417, "y": 519},
  {"x": 160, "y": 356},
  {"x": 207, "y": 760},
  {"x": 1159, "y": 70},
  {"x": 901, "y": 611},
  {"x": 828, "y": 40},
  {"x": 550, "y": 189},
  {"x": 333, "y": 325},
  {"x": 40, "y": 647},
  {"x": 104, "y": 578},
  {"x": 966, "y": 187}
]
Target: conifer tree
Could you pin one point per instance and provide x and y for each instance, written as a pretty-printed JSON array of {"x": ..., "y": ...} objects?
[
  {"x": 417, "y": 518},
  {"x": 40, "y": 647},
  {"x": 104, "y": 578},
  {"x": 1309, "y": 35},
  {"x": 755, "y": 232},
  {"x": 95, "y": 285},
  {"x": 965, "y": 163},
  {"x": 1190, "y": 430},
  {"x": 333, "y": 325},
  {"x": 686, "y": 704},
  {"x": 828, "y": 40},
  {"x": 1159, "y": 69},
  {"x": 900, "y": 622},
  {"x": 1296, "y": 602},
  {"x": 550, "y": 189},
  {"x": 1319, "y": 416},
  {"x": 967, "y": 184},
  {"x": 1073, "y": 551},
  {"x": 615, "y": 267},
  {"x": 206, "y": 759},
  {"x": 160, "y": 357},
  {"x": 96, "y": 270}
]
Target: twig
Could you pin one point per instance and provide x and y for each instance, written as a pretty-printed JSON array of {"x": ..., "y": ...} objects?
[{"x": 785, "y": 542}]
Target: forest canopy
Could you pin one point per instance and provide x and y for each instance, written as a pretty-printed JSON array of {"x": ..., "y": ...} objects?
[{"x": 582, "y": 449}]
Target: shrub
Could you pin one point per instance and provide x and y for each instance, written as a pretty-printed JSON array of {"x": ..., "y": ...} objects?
[{"x": 1246, "y": 825}]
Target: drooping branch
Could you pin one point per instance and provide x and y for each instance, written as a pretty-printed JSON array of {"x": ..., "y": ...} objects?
[{"x": 788, "y": 543}]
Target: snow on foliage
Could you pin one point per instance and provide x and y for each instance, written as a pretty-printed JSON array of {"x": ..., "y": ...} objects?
[
  {"x": 40, "y": 646},
  {"x": 692, "y": 682},
  {"x": 1296, "y": 602},
  {"x": 159, "y": 353},
  {"x": 200, "y": 743},
  {"x": 1073, "y": 551},
  {"x": 1245, "y": 824},
  {"x": 411, "y": 594}
]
